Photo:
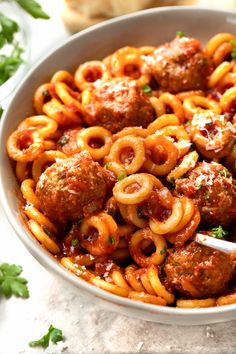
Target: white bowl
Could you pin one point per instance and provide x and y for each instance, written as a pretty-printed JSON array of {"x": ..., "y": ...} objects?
[{"x": 151, "y": 27}]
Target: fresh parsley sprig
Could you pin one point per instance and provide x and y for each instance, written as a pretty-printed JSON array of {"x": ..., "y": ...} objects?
[
  {"x": 33, "y": 8},
  {"x": 8, "y": 30},
  {"x": 10, "y": 63},
  {"x": 54, "y": 335},
  {"x": 219, "y": 232},
  {"x": 11, "y": 283}
]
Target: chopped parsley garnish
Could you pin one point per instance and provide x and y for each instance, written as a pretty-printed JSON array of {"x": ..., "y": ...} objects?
[
  {"x": 219, "y": 232},
  {"x": 107, "y": 165},
  {"x": 63, "y": 140},
  {"x": 234, "y": 149},
  {"x": 192, "y": 147},
  {"x": 146, "y": 88},
  {"x": 199, "y": 186},
  {"x": 172, "y": 182},
  {"x": 180, "y": 34},
  {"x": 54, "y": 335},
  {"x": 223, "y": 172},
  {"x": 233, "y": 42},
  {"x": 111, "y": 240},
  {"x": 163, "y": 251},
  {"x": 74, "y": 242},
  {"x": 11, "y": 283},
  {"x": 120, "y": 177},
  {"x": 48, "y": 232}
]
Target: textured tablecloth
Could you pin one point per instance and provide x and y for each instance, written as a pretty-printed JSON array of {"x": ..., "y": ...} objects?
[{"x": 87, "y": 328}]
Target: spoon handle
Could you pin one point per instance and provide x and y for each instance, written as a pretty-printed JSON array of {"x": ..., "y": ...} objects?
[{"x": 220, "y": 245}]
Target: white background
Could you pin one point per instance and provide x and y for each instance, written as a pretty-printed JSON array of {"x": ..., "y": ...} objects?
[{"x": 86, "y": 327}]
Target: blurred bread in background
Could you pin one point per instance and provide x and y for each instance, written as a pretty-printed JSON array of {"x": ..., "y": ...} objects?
[{"x": 79, "y": 14}]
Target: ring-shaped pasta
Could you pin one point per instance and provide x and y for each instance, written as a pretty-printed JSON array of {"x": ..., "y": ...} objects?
[
  {"x": 126, "y": 230},
  {"x": 66, "y": 95},
  {"x": 117, "y": 168},
  {"x": 141, "y": 259},
  {"x": 133, "y": 143},
  {"x": 158, "y": 287},
  {"x": 146, "y": 50},
  {"x": 226, "y": 299},
  {"x": 24, "y": 145},
  {"x": 90, "y": 73},
  {"x": 47, "y": 126},
  {"x": 142, "y": 180},
  {"x": 199, "y": 303},
  {"x": 133, "y": 278},
  {"x": 28, "y": 191},
  {"x": 158, "y": 106},
  {"x": 188, "y": 163},
  {"x": 226, "y": 82},
  {"x": 127, "y": 61},
  {"x": 44, "y": 159},
  {"x": 136, "y": 131},
  {"x": 186, "y": 94},
  {"x": 34, "y": 214},
  {"x": 147, "y": 298},
  {"x": 219, "y": 73},
  {"x": 85, "y": 97},
  {"x": 62, "y": 114},
  {"x": 222, "y": 53},
  {"x": 181, "y": 236},
  {"x": 42, "y": 237},
  {"x": 216, "y": 41},
  {"x": 119, "y": 280},
  {"x": 22, "y": 171},
  {"x": 163, "y": 227},
  {"x": 49, "y": 145},
  {"x": 174, "y": 103},
  {"x": 43, "y": 94},
  {"x": 228, "y": 99},
  {"x": 106, "y": 238},
  {"x": 195, "y": 104},
  {"x": 171, "y": 154},
  {"x": 130, "y": 214},
  {"x": 85, "y": 137},
  {"x": 188, "y": 211},
  {"x": 178, "y": 133},
  {"x": 163, "y": 121},
  {"x": 62, "y": 76}
]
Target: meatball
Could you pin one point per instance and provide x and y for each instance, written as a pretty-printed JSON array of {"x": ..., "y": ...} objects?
[
  {"x": 180, "y": 65},
  {"x": 117, "y": 104},
  {"x": 212, "y": 187},
  {"x": 73, "y": 188},
  {"x": 198, "y": 271}
]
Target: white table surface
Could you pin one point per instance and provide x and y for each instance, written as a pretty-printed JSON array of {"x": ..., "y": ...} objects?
[{"x": 87, "y": 328}]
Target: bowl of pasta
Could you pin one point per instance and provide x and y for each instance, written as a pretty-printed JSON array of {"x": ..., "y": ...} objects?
[{"x": 116, "y": 155}]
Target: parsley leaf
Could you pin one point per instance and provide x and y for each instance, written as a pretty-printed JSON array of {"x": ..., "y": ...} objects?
[
  {"x": 146, "y": 88},
  {"x": 111, "y": 240},
  {"x": 120, "y": 177},
  {"x": 9, "y": 64},
  {"x": 11, "y": 283},
  {"x": 74, "y": 242},
  {"x": 180, "y": 34},
  {"x": 234, "y": 149},
  {"x": 8, "y": 29},
  {"x": 219, "y": 232},
  {"x": 163, "y": 251},
  {"x": 233, "y": 52},
  {"x": 53, "y": 334},
  {"x": 33, "y": 8},
  {"x": 1, "y": 111},
  {"x": 63, "y": 140}
]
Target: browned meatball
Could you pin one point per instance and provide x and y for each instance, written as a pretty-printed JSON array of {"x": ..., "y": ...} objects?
[
  {"x": 214, "y": 190},
  {"x": 198, "y": 271},
  {"x": 117, "y": 104},
  {"x": 180, "y": 65},
  {"x": 73, "y": 188}
]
